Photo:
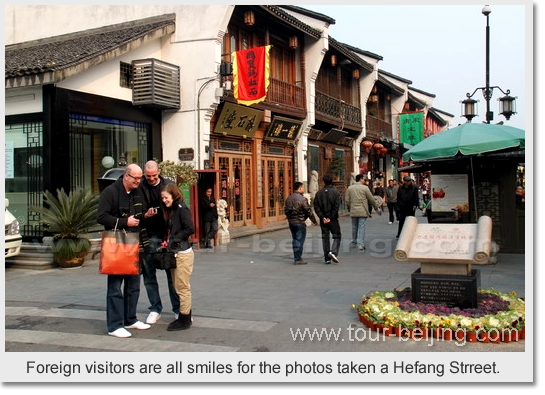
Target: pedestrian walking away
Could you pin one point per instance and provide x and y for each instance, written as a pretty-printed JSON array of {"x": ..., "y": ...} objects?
[
  {"x": 407, "y": 201},
  {"x": 326, "y": 205},
  {"x": 357, "y": 199},
  {"x": 391, "y": 200},
  {"x": 209, "y": 214},
  {"x": 120, "y": 205},
  {"x": 154, "y": 224},
  {"x": 179, "y": 225},
  {"x": 297, "y": 210},
  {"x": 369, "y": 185}
]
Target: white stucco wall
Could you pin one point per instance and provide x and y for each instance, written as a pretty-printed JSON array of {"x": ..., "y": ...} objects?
[
  {"x": 195, "y": 47},
  {"x": 23, "y": 101}
]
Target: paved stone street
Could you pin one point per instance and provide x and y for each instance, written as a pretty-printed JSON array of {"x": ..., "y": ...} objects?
[{"x": 247, "y": 296}]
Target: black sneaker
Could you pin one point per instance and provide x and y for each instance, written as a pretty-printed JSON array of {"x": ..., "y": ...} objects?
[{"x": 333, "y": 257}]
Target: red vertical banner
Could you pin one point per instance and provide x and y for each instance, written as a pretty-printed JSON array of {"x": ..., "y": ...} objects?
[{"x": 251, "y": 75}]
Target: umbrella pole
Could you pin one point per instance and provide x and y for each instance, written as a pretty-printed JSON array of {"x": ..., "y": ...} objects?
[{"x": 474, "y": 191}]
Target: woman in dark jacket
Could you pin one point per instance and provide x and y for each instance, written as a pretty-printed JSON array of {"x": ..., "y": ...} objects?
[{"x": 179, "y": 225}]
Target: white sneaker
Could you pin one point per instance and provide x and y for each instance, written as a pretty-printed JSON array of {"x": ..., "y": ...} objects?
[
  {"x": 333, "y": 257},
  {"x": 390, "y": 223},
  {"x": 138, "y": 325},
  {"x": 153, "y": 317},
  {"x": 120, "y": 332}
]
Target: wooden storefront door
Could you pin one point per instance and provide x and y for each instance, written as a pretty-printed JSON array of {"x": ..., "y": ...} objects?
[
  {"x": 277, "y": 184},
  {"x": 236, "y": 186}
]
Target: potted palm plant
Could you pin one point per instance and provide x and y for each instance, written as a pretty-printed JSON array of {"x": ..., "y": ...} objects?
[{"x": 68, "y": 217}]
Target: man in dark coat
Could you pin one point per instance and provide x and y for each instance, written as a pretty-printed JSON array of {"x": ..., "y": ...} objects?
[
  {"x": 326, "y": 205},
  {"x": 154, "y": 224},
  {"x": 407, "y": 201},
  {"x": 120, "y": 207},
  {"x": 209, "y": 214}
]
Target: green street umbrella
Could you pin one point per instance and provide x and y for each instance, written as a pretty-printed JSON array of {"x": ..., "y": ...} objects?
[{"x": 467, "y": 139}]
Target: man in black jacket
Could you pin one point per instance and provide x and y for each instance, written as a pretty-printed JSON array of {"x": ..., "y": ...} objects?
[
  {"x": 120, "y": 206},
  {"x": 326, "y": 205},
  {"x": 154, "y": 224},
  {"x": 407, "y": 201},
  {"x": 209, "y": 214}
]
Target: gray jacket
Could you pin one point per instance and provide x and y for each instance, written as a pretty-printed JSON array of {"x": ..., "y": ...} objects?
[
  {"x": 357, "y": 199},
  {"x": 391, "y": 193}
]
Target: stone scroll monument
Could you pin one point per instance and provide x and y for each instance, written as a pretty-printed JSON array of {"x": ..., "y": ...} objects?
[{"x": 446, "y": 253}]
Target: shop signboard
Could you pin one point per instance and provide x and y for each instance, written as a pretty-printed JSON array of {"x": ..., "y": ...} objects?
[
  {"x": 285, "y": 129},
  {"x": 236, "y": 120}
]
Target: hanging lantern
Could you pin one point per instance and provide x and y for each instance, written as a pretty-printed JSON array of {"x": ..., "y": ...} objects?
[
  {"x": 378, "y": 147},
  {"x": 367, "y": 145},
  {"x": 384, "y": 150},
  {"x": 249, "y": 18},
  {"x": 294, "y": 42}
]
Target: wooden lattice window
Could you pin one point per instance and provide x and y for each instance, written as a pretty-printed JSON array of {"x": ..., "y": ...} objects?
[{"x": 125, "y": 75}]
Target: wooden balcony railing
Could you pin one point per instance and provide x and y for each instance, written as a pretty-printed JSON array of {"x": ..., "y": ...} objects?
[
  {"x": 335, "y": 110},
  {"x": 286, "y": 94},
  {"x": 376, "y": 127}
]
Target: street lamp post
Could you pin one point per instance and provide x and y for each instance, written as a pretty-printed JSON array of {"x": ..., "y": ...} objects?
[{"x": 507, "y": 102}]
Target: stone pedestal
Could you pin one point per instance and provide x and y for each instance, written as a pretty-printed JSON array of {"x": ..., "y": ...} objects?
[
  {"x": 223, "y": 237},
  {"x": 446, "y": 253}
]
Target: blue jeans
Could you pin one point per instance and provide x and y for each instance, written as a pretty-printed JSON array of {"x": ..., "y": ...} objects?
[
  {"x": 298, "y": 233},
  {"x": 149, "y": 273},
  {"x": 358, "y": 230},
  {"x": 121, "y": 304}
]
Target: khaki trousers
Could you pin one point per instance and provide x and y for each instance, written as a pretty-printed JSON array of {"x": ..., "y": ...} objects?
[{"x": 180, "y": 279}]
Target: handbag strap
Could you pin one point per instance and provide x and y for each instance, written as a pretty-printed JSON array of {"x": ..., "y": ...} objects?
[{"x": 115, "y": 227}]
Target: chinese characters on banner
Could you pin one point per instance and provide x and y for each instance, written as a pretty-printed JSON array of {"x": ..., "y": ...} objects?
[
  {"x": 411, "y": 128},
  {"x": 251, "y": 75}
]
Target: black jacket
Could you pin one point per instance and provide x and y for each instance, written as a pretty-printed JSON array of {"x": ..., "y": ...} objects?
[
  {"x": 152, "y": 198},
  {"x": 180, "y": 226},
  {"x": 115, "y": 205},
  {"x": 407, "y": 197},
  {"x": 327, "y": 203},
  {"x": 208, "y": 214}
]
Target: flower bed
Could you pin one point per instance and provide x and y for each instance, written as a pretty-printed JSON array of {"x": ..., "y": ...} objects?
[{"x": 499, "y": 317}]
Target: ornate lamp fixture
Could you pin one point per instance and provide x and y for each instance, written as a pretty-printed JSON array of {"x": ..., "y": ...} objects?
[{"x": 507, "y": 102}]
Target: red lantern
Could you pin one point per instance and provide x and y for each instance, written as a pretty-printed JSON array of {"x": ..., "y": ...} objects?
[
  {"x": 384, "y": 150},
  {"x": 367, "y": 145},
  {"x": 378, "y": 146}
]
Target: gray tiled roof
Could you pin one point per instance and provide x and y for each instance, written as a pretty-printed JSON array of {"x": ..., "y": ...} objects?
[{"x": 53, "y": 56}]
